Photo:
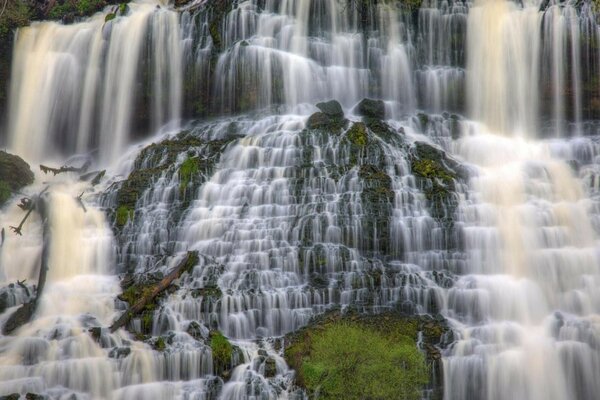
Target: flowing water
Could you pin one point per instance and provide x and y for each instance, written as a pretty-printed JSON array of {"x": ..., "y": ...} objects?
[{"x": 291, "y": 222}]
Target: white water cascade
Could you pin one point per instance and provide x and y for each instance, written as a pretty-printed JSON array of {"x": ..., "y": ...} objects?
[{"x": 292, "y": 221}]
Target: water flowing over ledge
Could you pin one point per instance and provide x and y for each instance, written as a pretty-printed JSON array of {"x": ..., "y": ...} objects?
[{"x": 471, "y": 193}]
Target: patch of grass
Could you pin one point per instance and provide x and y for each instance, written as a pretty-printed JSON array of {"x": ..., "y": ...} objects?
[
  {"x": 222, "y": 350},
  {"x": 188, "y": 169},
  {"x": 123, "y": 215},
  {"x": 351, "y": 360}
]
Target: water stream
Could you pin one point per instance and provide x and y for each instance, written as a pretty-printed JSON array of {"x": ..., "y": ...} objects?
[{"x": 283, "y": 217}]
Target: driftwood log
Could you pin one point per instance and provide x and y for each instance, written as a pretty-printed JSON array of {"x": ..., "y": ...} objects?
[
  {"x": 149, "y": 294},
  {"x": 25, "y": 312}
]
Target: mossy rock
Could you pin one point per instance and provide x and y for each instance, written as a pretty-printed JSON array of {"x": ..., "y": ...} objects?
[
  {"x": 14, "y": 396},
  {"x": 437, "y": 175},
  {"x": 324, "y": 122},
  {"x": 270, "y": 368},
  {"x": 34, "y": 396},
  {"x": 224, "y": 354},
  {"x": 158, "y": 158},
  {"x": 370, "y": 108},
  {"x": 14, "y": 175},
  {"x": 357, "y": 135},
  {"x": 356, "y": 357}
]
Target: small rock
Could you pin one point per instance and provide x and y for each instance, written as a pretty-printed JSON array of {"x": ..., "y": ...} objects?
[
  {"x": 371, "y": 108},
  {"x": 119, "y": 352}
]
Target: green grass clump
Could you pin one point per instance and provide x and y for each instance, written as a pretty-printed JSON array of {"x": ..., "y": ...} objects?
[
  {"x": 188, "y": 169},
  {"x": 348, "y": 360},
  {"x": 123, "y": 215},
  {"x": 222, "y": 350}
]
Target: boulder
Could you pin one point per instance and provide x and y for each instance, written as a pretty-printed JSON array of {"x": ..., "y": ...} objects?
[
  {"x": 370, "y": 108},
  {"x": 14, "y": 175},
  {"x": 331, "y": 108}
]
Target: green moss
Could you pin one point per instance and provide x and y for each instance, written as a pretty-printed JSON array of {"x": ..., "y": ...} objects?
[
  {"x": 79, "y": 8},
  {"x": 147, "y": 321},
  {"x": 188, "y": 169},
  {"x": 110, "y": 17},
  {"x": 222, "y": 350},
  {"x": 16, "y": 14},
  {"x": 123, "y": 215},
  {"x": 159, "y": 344},
  {"x": 357, "y": 134},
  {"x": 123, "y": 8},
  {"x": 431, "y": 169},
  {"x": 5, "y": 192},
  {"x": 355, "y": 360}
]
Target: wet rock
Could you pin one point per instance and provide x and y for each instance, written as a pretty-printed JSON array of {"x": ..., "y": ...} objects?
[
  {"x": 270, "y": 368},
  {"x": 197, "y": 331},
  {"x": 96, "y": 333},
  {"x": 14, "y": 396},
  {"x": 330, "y": 118},
  {"x": 332, "y": 109},
  {"x": 370, "y": 108},
  {"x": 318, "y": 120},
  {"x": 34, "y": 396},
  {"x": 119, "y": 352},
  {"x": 437, "y": 175},
  {"x": 14, "y": 175},
  {"x": 3, "y": 301}
]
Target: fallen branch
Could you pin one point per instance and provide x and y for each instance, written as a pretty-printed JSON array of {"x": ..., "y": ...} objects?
[
  {"x": 29, "y": 205},
  {"x": 190, "y": 260},
  {"x": 83, "y": 169},
  {"x": 25, "y": 312},
  {"x": 80, "y": 202}
]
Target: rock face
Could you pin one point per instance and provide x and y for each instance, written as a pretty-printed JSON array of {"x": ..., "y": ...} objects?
[{"x": 14, "y": 175}]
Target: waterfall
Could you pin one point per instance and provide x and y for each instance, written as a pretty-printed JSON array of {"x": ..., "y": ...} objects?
[
  {"x": 475, "y": 199},
  {"x": 94, "y": 68}
]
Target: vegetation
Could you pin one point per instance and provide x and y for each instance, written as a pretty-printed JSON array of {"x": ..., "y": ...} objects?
[
  {"x": 123, "y": 215},
  {"x": 359, "y": 360},
  {"x": 79, "y": 8},
  {"x": 222, "y": 350},
  {"x": 357, "y": 134},
  {"x": 188, "y": 169}
]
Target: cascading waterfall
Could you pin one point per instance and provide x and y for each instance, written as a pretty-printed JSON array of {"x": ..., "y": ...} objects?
[
  {"x": 94, "y": 69},
  {"x": 291, "y": 221}
]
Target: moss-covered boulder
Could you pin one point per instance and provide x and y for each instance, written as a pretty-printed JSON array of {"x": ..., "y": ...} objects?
[
  {"x": 14, "y": 175},
  {"x": 370, "y": 108},
  {"x": 437, "y": 176},
  {"x": 158, "y": 158},
  {"x": 360, "y": 356},
  {"x": 225, "y": 355}
]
